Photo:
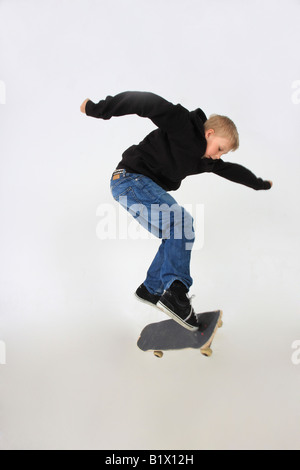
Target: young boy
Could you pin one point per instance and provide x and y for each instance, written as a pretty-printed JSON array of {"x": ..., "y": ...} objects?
[{"x": 184, "y": 143}]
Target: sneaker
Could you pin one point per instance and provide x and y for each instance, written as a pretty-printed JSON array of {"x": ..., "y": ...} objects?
[
  {"x": 145, "y": 296},
  {"x": 175, "y": 303}
]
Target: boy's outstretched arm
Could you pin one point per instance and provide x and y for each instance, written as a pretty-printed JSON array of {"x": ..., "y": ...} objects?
[
  {"x": 163, "y": 114},
  {"x": 240, "y": 174}
]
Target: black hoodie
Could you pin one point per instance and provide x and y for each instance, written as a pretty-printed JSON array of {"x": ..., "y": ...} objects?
[{"x": 176, "y": 149}]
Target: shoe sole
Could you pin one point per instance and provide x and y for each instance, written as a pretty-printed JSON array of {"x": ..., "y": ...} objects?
[
  {"x": 140, "y": 299},
  {"x": 175, "y": 317}
]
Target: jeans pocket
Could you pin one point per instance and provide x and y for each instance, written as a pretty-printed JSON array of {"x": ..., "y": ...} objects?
[
  {"x": 114, "y": 184},
  {"x": 123, "y": 181}
]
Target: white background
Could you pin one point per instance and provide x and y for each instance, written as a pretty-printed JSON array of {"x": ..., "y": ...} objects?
[{"x": 74, "y": 377}]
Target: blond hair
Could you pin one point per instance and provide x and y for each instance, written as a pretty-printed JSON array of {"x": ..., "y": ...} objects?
[{"x": 223, "y": 127}]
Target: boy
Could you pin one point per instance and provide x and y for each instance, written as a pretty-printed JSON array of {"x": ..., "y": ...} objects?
[{"x": 184, "y": 143}]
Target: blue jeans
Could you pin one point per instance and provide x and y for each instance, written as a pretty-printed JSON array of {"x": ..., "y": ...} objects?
[{"x": 158, "y": 212}]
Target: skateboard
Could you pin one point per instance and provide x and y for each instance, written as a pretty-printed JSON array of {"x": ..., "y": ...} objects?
[{"x": 169, "y": 335}]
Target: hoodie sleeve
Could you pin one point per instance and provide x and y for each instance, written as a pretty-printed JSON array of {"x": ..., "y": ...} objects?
[
  {"x": 239, "y": 174},
  {"x": 163, "y": 114}
]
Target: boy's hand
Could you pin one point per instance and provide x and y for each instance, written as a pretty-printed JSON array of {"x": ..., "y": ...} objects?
[
  {"x": 271, "y": 183},
  {"x": 82, "y": 107}
]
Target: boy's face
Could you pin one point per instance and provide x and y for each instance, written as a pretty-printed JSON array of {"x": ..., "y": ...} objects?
[{"x": 216, "y": 145}]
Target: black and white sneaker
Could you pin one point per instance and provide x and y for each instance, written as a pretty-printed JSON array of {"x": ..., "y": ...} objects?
[
  {"x": 175, "y": 303},
  {"x": 145, "y": 296}
]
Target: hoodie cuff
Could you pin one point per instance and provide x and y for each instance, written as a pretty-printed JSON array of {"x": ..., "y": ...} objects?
[
  {"x": 267, "y": 185},
  {"x": 89, "y": 108}
]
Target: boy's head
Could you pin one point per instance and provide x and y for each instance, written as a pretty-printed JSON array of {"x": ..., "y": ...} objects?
[{"x": 221, "y": 136}]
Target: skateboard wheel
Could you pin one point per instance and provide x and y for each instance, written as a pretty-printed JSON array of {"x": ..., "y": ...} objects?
[
  {"x": 206, "y": 352},
  {"x": 158, "y": 354},
  {"x": 220, "y": 323}
]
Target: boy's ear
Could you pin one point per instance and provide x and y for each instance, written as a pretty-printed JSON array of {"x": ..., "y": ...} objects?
[{"x": 209, "y": 132}]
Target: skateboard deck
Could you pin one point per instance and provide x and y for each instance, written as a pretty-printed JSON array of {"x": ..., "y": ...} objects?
[{"x": 169, "y": 335}]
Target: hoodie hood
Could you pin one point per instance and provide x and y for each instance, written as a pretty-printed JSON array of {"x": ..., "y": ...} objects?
[
  {"x": 198, "y": 115},
  {"x": 198, "y": 119}
]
